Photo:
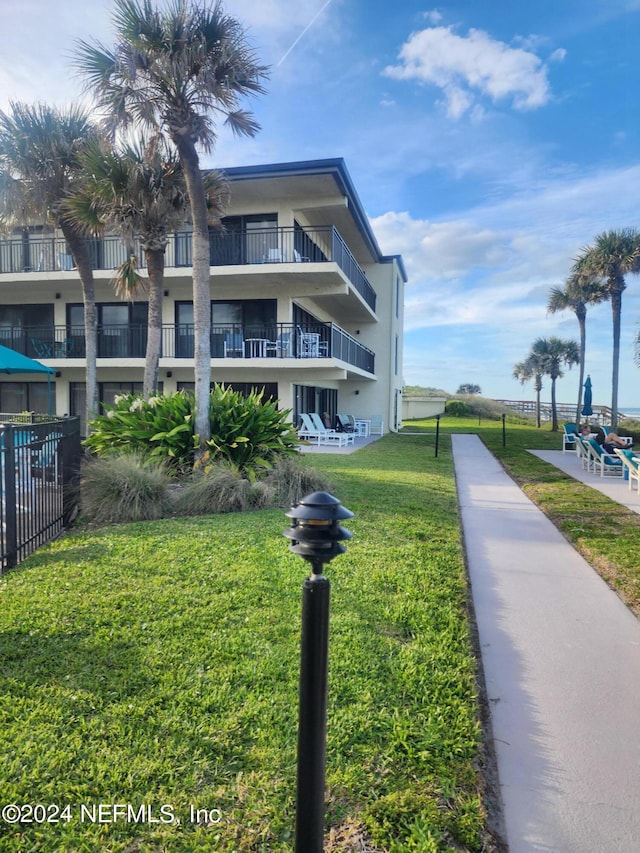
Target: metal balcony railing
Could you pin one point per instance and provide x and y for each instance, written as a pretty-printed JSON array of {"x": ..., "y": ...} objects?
[
  {"x": 265, "y": 341},
  {"x": 36, "y": 253}
]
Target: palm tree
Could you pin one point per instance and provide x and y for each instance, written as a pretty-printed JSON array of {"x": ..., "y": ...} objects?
[
  {"x": 525, "y": 371},
  {"x": 611, "y": 256},
  {"x": 552, "y": 354},
  {"x": 577, "y": 293},
  {"x": 40, "y": 148},
  {"x": 139, "y": 190},
  {"x": 174, "y": 71}
]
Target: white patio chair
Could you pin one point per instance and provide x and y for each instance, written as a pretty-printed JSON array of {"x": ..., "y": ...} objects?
[
  {"x": 602, "y": 462},
  {"x": 377, "y": 425},
  {"x": 630, "y": 463}
]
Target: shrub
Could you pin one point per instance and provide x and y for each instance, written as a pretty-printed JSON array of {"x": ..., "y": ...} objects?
[
  {"x": 245, "y": 431},
  {"x": 160, "y": 427},
  {"x": 484, "y": 407},
  {"x": 457, "y": 409},
  {"x": 124, "y": 487},
  {"x": 630, "y": 426},
  {"x": 248, "y": 433}
]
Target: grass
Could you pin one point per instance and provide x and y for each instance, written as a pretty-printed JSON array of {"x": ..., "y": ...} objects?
[
  {"x": 603, "y": 531},
  {"x": 157, "y": 663}
]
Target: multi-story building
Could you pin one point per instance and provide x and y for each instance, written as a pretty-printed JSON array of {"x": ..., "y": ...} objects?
[{"x": 303, "y": 304}]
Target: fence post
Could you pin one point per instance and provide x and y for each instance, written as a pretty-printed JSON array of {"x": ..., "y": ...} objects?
[{"x": 10, "y": 515}]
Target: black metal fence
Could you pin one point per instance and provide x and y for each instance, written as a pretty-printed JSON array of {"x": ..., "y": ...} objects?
[{"x": 39, "y": 469}]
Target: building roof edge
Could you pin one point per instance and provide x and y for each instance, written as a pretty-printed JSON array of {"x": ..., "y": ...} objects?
[{"x": 335, "y": 166}]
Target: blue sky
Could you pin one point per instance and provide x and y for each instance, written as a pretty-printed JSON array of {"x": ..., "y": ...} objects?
[{"x": 489, "y": 142}]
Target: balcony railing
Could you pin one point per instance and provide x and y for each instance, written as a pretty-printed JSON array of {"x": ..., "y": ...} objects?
[
  {"x": 269, "y": 341},
  {"x": 35, "y": 253}
]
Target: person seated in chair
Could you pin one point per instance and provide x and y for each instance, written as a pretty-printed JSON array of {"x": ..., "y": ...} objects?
[{"x": 611, "y": 441}]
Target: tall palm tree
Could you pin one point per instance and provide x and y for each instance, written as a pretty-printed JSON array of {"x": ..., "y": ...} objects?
[
  {"x": 139, "y": 190},
  {"x": 612, "y": 256},
  {"x": 578, "y": 292},
  {"x": 525, "y": 371},
  {"x": 177, "y": 71},
  {"x": 40, "y": 147},
  {"x": 552, "y": 354}
]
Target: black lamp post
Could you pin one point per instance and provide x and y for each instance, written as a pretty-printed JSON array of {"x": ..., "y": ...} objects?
[
  {"x": 316, "y": 535},
  {"x": 504, "y": 430},
  {"x": 437, "y": 433}
]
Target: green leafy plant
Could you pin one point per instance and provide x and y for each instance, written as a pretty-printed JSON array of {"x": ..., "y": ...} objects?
[
  {"x": 160, "y": 427},
  {"x": 457, "y": 408},
  {"x": 247, "y": 432}
]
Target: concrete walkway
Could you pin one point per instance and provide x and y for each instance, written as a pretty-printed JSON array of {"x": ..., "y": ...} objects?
[
  {"x": 561, "y": 659},
  {"x": 615, "y": 488}
]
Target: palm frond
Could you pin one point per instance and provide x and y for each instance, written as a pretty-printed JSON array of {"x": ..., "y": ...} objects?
[{"x": 128, "y": 283}]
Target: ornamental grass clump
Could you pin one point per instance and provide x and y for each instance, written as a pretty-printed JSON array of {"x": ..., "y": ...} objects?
[
  {"x": 291, "y": 479},
  {"x": 221, "y": 489},
  {"x": 124, "y": 487}
]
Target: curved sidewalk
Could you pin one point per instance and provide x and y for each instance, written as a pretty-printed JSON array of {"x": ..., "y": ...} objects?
[{"x": 561, "y": 660}]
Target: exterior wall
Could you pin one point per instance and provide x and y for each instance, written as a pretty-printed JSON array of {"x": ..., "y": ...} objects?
[
  {"x": 414, "y": 408},
  {"x": 313, "y": 195}
]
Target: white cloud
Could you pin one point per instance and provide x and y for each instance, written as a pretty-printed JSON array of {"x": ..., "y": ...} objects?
[
  {"x": 443, "y": 250},
  {"x": 479, "y": 322},
  {"x": 558, "y": 55},
  {"x": 464, "y": 67},
  {"x": 434, "y": 16}
]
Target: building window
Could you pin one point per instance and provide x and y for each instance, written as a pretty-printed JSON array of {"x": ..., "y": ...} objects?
[
  {"x": 231, "y": 322},
  {"x": 78, "y": 403},
  {"x": 309, "y": 398},
  {"x": 16, "y": 397},
  {"x": 270, "y": 389},
  {"x": 107, "y": 392},
  {"x": 28, "y": 329},
  {"x": 122, "y": 329}
]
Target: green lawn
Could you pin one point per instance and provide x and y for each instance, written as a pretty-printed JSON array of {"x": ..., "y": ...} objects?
[
  {"x": 604, "y": 532},
  {"x": 157, "y": 664}
]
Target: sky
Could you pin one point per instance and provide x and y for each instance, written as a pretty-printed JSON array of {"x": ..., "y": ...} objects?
[{"x": 489, "y": 143}]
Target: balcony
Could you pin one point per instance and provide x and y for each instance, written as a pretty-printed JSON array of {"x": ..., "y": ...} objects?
[
  {"x": 35, "y": 253},
  {"x": 275, "y": 341}
]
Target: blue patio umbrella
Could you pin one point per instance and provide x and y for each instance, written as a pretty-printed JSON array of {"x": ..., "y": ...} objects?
[{"x": 588, "y": 397}]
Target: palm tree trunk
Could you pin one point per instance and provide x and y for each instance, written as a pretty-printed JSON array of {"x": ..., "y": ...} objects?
[
  {"x": 80, "y": 251},
  {"x": 155, "y": 268},
  {"x": 582, "y": 323},
  {"x": 201, "y": 285},
  {"x": 616, "y": 312},
  {"x": 554, "y": 413}
]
